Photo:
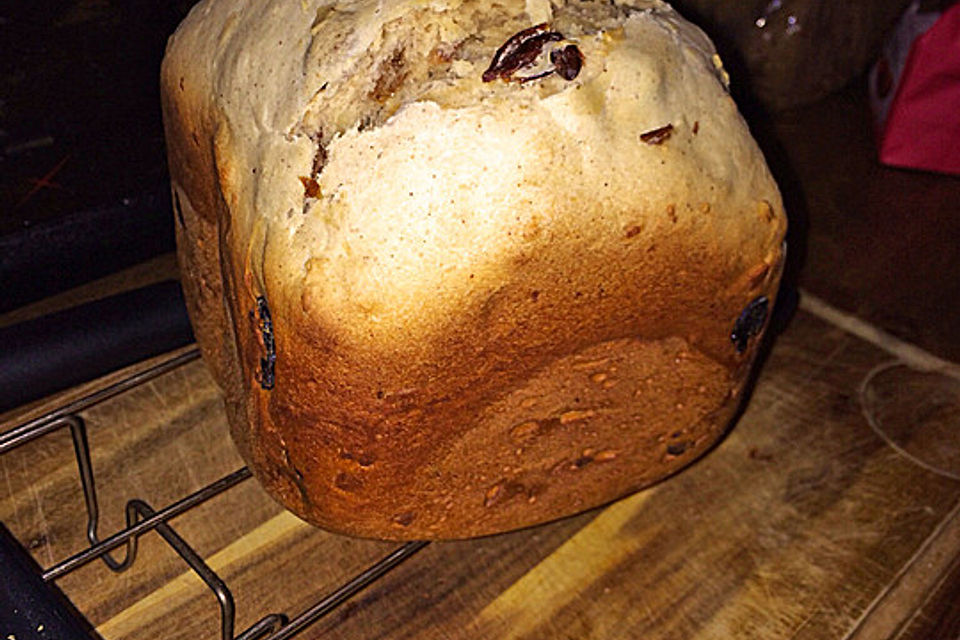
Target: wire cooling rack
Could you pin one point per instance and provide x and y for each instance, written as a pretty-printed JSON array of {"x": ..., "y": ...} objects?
[{"x": 142, "y": 518}]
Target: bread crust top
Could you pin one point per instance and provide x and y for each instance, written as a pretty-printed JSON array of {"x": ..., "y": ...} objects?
[{"x": 376, "y": 179}]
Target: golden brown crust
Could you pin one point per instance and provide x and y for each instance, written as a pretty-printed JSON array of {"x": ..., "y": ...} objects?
[
  {"x": 435, "y": 370},
  {"x": 546, "y": 402}
]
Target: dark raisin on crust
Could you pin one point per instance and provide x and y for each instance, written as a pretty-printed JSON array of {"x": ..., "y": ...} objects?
[
  {"x": 266, "y": 375},
  {"x": 677, "y": 448},
  {"x": 311, "y": 188},
  {"x": 749, "y": 323},
  {"x": 657, "y": 136},
  {"x": 567, "y": 61},
  {"x": 521, "y": 51}
]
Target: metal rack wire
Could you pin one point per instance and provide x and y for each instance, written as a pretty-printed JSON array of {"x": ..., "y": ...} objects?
[{"x": 141, "y": 518}]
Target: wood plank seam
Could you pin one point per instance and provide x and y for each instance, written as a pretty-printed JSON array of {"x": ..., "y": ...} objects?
[
  {"x": 908, "y": 353},
  {"x": 868, "y": 625},
  {"x": 932, "y": 593}
]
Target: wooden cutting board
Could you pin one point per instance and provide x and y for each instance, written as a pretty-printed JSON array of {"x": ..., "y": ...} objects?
[{"x": 803, "y": 523}]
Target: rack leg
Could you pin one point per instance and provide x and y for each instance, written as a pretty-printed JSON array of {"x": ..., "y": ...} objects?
[
  {"x": 78, "y": 432},
  {"x": 139, "y": 508}
]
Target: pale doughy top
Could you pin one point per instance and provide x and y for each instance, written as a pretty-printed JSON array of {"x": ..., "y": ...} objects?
[{"x": 376, "y": 180}]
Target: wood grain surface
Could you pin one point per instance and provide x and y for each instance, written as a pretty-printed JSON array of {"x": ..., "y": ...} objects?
[{"x": 802, "y": 524}]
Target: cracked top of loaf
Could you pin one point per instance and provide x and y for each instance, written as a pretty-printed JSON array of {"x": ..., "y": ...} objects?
[{"x": 375, "y": 177}]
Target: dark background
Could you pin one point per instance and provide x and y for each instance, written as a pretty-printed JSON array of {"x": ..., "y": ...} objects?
[{"x": 83, "y": 179}]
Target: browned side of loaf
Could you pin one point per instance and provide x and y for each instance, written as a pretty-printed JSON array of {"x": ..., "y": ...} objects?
[
  {"x": 544, "y": 404},
  {"x": 555, "y": 396}
]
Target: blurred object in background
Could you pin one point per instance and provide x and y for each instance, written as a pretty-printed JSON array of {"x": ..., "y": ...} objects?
[
  {"x": 83, "y": 180},
  {"x": 915, "y": 90},
  {"x": 787, "y": 53}
]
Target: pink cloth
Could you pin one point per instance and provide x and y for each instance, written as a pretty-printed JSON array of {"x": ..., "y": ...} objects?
[{"x": 922, "y": 125}]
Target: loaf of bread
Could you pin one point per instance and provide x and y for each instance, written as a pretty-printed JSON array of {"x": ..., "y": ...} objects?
[{"x": 465, "y": 266}]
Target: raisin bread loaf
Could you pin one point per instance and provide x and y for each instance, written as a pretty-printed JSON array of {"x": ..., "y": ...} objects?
[{"x": 464, "y": 266}]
